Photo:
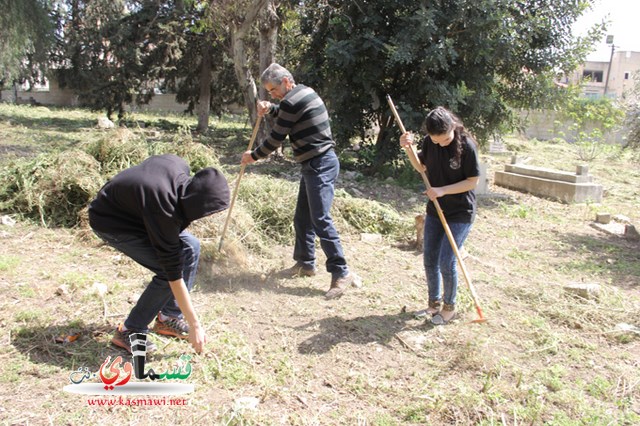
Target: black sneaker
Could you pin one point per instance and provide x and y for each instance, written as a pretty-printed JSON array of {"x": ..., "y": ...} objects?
[
  {"x": 121, "y": 339},
  {"x": 174, "y": 327}
]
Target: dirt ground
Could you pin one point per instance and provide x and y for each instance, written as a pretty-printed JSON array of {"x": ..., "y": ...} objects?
[
  {"x": 278, "y": 353},
  {"x": 543, "y": 357}
]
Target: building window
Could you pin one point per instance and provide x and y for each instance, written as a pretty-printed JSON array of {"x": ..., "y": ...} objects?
[{"x": 594, "y": 76}]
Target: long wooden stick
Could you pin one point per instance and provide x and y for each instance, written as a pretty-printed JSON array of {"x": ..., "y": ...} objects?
[
  {"x": 235, "y": 191},
  {"x": 421, "y": 168}
]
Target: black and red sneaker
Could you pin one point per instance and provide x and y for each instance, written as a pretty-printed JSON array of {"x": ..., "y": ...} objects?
[
  {"x": 172, "y": 326},
  {"x": 121, "y": 339}
]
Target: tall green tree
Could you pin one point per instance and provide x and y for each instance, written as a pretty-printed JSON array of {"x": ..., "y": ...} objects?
[
  {"x": 181, "y": 54},
  {"x": 27, "y": 32},
  {"x": 220, "y": 57},
  {"x": 123, "y": 51},
  {"x": 98, "y": 58},
  {"x": 480, "y": 58},
  {"x": 239, "y": 18}
]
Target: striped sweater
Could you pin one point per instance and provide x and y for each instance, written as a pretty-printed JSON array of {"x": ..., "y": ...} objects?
[{"x": 303, "y": 116}]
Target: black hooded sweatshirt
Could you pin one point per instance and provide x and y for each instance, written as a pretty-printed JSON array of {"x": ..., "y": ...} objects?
[{"x": 158, "y": 198}]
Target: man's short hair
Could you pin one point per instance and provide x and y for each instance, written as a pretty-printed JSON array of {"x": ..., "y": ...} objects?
[{"x": 275, "y": 73}]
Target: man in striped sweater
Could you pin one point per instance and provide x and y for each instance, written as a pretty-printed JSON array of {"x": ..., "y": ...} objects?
[{"x": 302, "y": 115}]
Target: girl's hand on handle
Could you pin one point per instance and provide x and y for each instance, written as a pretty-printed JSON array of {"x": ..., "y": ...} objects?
[
  {"x": 406, "y": 139},
  {"x": 434, "y": 193}
]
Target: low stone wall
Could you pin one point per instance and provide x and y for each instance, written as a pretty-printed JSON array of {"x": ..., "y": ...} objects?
[
  {"x": 66, "y": 98},
  {"x": 60, "y": 98},
  {"x": 546, "y": 125},
  {"x": 160, "y": 102}
]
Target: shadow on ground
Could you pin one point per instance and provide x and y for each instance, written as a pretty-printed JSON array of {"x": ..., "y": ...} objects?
[
  {"x": 334, "y": 330},
  {"x": 91, "y": 348},
  {"x": 615, "y": 255},
  {"x": 51, "y": 123},
  {"x": 232, "y": 280}
]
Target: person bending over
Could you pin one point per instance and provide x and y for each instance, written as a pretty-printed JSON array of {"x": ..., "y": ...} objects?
[{"x": 143, "y": 212}]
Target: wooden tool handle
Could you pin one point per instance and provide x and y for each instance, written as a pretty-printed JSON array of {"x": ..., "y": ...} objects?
[{"x": 235, "y": 191}]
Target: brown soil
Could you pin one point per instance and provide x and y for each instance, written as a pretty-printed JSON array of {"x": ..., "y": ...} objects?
[{"x": 362, "y": 359}]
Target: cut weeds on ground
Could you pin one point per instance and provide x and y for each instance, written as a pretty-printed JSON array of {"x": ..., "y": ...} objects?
[{"x": 278, "y": 352}]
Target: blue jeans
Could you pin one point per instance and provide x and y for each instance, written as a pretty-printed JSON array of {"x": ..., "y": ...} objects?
[
  {"x": 440, "y": 260},
  {"x": 158, "y": 295},
  {"x": 312, "y": 217}
]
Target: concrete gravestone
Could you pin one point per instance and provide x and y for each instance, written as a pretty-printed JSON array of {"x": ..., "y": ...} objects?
[{"x": 564, "y": 186}]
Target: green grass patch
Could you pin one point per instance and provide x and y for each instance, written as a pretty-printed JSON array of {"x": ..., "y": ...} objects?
[
  {"x": 233, "y": 365},
  {"x": 9, "y": 263}
]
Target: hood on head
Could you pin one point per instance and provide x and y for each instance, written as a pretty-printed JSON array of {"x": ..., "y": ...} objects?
[{"x": 206, "y": 193}]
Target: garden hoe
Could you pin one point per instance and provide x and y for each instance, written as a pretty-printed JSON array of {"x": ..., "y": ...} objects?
[
  {"x": 415, "y": 162},
  {"x": 235, "y": 191}
]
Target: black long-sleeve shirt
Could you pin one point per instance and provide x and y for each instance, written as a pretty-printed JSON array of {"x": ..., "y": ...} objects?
[{"x": 158, "y": 198}]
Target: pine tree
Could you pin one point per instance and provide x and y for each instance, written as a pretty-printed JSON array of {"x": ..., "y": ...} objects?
[{"x": 26, "y": 39}]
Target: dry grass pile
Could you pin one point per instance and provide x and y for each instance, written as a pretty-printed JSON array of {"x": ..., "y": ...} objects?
[
  {"x": 262, "y": 217},
  {"x": 124, "y": 148},
  {"x": 241, "y": 237},
  {"x": 369, "y": 216},
  {"x": 51, "y": 188},
  {"x": 196, "y": 154},
  {"x": 55, "y": 188},
  {"x": 118, "y": 150},
  {"x": 271, "y": 204}
]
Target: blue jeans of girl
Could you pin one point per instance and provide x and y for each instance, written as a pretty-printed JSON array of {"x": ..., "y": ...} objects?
[
  {"x": 157, "y": 296},
  {"x": 439, "y": 259},
  {"x": 312, "y": 217}
]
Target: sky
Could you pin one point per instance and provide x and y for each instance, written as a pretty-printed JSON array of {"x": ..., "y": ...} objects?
[{"x": 624, "y": 17}]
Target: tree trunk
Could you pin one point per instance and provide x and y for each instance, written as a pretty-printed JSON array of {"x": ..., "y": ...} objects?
[
  {"x": 269, "y": 25},
  {"x": 240, "y": 59},
  {"x": 243, "y": 74},
  {"x": 120, "y": 112},
  {"x": 384, "y": 148},
  {"x": 204, "y": 99}
]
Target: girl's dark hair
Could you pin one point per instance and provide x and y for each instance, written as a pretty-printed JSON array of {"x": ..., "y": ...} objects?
[{"x": 440, "y": 121}]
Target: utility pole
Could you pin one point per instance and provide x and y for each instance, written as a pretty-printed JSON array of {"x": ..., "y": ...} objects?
[{"x": 613, "y": 48}]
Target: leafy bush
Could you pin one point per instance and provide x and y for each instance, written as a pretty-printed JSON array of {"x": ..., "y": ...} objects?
[
  {"x": 592, "y": 119},
  {"x": 633, "y": 123},
  {"x": 632, "y": 120}
]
